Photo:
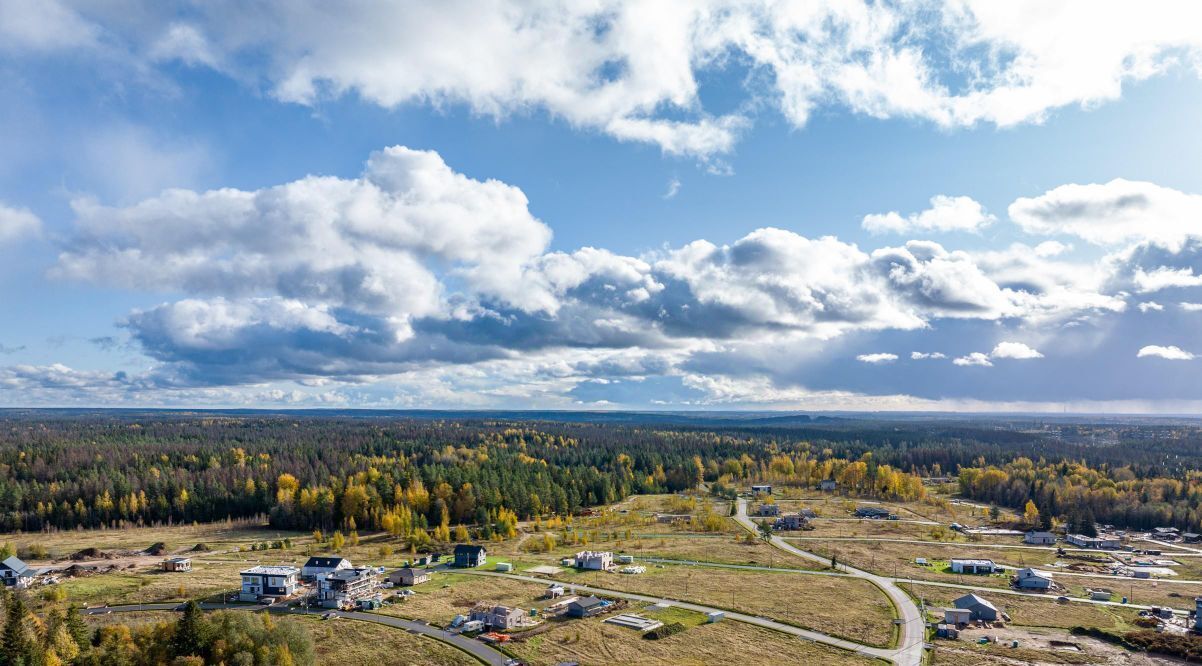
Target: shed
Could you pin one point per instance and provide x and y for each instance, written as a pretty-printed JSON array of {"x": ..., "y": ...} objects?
[
  {"x": 180, "y": 564},
  {"x": 409, "y": 576}
]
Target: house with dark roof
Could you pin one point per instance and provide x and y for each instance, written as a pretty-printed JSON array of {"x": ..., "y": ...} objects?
[
  {"x": 586, "y": 607},
  {"x": 981, "y": 609},
  {"x": 871, "y": 512},
  {"x": 468, "y": 556},
  {"x": 409, "y": 576},
  {"x": 321, "y": 565},
  {"x": 15, "y": 573}
]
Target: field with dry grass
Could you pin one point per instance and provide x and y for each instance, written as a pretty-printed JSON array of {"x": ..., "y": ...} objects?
[{"x": 1035, "y": 611}]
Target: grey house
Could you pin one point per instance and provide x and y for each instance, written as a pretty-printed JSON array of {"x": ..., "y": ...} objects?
[
  {"x": 979, "y": 608},
  {"x": 15, "y": 573}
]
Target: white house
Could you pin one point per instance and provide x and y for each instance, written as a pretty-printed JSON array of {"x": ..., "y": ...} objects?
[
  {"x": 1034, "y": 579},
  {"x": 596, "y": 560},
  {"x": 965, "y": 566},
  {"x": 1039, "y": 538},
  {"x": 322, "y": 565},
  {"x": 1101, "y": 542}
]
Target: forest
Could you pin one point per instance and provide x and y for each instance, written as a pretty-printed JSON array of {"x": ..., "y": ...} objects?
[{"x": 418, "y": 478}]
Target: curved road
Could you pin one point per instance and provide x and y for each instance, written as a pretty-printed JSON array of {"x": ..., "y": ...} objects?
[
  {"x": 817, "y": 637},
  {"x": 913, "y": 626},
  {"x": 473, "y": 647}
]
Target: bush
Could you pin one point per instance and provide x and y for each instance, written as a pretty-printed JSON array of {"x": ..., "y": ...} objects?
[{"x": 664, "y": 631}]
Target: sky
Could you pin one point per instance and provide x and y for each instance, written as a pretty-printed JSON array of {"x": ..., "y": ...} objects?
[{"x": 927, "y": 206}]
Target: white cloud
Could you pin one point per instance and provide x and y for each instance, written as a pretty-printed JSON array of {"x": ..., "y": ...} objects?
[
  {"x": 975, "y": 358},
  {"x": 1015, "y": 350},
  {"x": 673, "y": 188},
  {"x": 920, "y": 356},
  {"x": 16, "y": 223},
  {"x": 1171, "y": 352},
  {"x": 945, "y": 214},
  {"x": 634, "y": 70},
  {"x": 1111, "y": 213},
  {"x": 1165, "y": 278},
  {"x": 1150, "y": 306},
  {"x": 1190, "y": 307},
  {"x": 877, "y": 359}
]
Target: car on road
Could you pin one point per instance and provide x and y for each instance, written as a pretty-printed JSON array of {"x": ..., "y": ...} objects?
[{"x": 1062, "y": 599}]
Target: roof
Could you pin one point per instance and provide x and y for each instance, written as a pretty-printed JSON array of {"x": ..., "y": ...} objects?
[
  {"x": 1035, "y": 572},
  {"x": 13, "y": 562},
  {"x": 973, "y": 562},
  {"x": 351, "y": 574},
  {"x": 468, "y": 549},
  {"x": 587, "y": 602},
  {"x": 970, "y": 600},
  {"x": 180, "y": 559},
  {"x": 326, "y": 562},
  {"x": 1040, "y": 533},
  {"x": 262, "y": 570}
]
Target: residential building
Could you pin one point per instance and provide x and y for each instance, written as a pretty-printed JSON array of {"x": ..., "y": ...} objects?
[
  {"x": 498, "y": 617},
  {"x": 765, "y": 489},
  {"x": 808, "y": 514},
  {"x": 180, "y": 564},
  {"x": 595, "y": 560},
  {"x": 1100, "y": 542},
  {"x": 966, "y": 566},
  {"x": 790, "y": 521},
  {"x": 553, "y": 591},
  {"x": 468, "y": 556},
  {"x": 409, "y": 576},
  {"x": 828, "y": 484},
  {"x": 269, "y": 581},
  {"x": 586, "y": 607},
  {"x": 15, "y": 573},
  {"x": 345, "y": 587},
  {"x": 1033, "y": 579},
  {"x": 980, "y": 609},
  {"x": 767, "y": 510},
  {"x": 1039, "y": 538},
  {"x": 1166, "y": 533},
  {"x": 1190, "y": 537},
  {"x": 323, "y": 564}
]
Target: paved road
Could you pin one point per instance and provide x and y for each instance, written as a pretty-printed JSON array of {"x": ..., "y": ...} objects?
[
  {"x": 817, "y": 637},
  {"x": 913, "y": 626},
  {"x": 475, "y": 648}
]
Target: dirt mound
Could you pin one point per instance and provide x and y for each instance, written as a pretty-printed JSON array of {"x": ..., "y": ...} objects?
[
  {"x": 201, "y": 548},
  {"x": 91, "y": 554},
  {"x": 157, "y": 548}
]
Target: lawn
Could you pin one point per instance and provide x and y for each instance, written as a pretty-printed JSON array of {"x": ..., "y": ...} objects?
[
  {"x": 357, "y": 642},
  {"x": 451, "y": 594}
]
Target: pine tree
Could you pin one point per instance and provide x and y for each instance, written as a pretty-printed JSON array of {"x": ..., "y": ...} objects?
[
  {"x": 190, "y": 632},
  {"x": 17, "y": 648},
  {"x": 78, "y": 628}
]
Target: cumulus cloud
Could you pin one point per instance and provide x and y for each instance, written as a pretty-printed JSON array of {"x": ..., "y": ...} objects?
[
  {"x": 945, "y": 214},
  {"x": 1170, "y": 352},
  {"x": 16, "y": 223},
  {"x": 1190, "y": 307},
  {"x": 922, "y": 356},
  {"x": 876, "y": 359},
  {"x": 1016, "y": 350},
  {"x": 975, "y": 358},
  {"x": 634, "y": 70},
  {"x": 1111, "y": 213},
  {"x": 1150, "y": 306}
]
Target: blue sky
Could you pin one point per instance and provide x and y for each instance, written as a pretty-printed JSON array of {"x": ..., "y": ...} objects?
[{"x": 551, "y": 206}]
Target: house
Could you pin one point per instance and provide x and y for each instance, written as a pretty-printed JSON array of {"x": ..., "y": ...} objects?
[
  {"x": 323, "y": 564},
  {"x": 871, "y": 512},
  {"x": 497, "y": 616},
  {"x": 965, "y": 566},
  {"x": 957, "y": 616},
  {"x": 594, "y": 560},
  {"x": 586, "y": 607},
  {"x": 468, "y": 556},
  {"x": 15, "y": 573},
  {"x": 767, "y": 510},
  {"x": 1039, "y": 538},
  {"x": 553, "y": 591},
  {"x": 180, "y": 564},
  {"x": 409, "y": 576},
  {"x": 828, "y": 484},
  {"x": 790, "y": 521},
  {"x": 808, "y": 514},
  {"x": 979, "y": 608},
  {"x": 1190, "y": 537},
  {"x": 1165, "y": 533},
  {"x": 345, "y": 587},
  {"x": 1033, "y": 579},
  {"x": 765, "y": 489},
  {"x": 269, "y": 581}
]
